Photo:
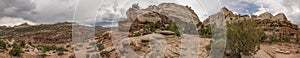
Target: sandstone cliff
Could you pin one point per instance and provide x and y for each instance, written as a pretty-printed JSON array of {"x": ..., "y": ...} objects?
[
  {"x": 182, "y": 16},
  {"x": 277, "y": 25}
]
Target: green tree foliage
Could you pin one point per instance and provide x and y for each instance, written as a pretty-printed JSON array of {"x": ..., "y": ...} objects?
[
  {"x": 243, "y": 38},
  {"x": 16, "y": 51},
  {"x": 2, "y": 46}
]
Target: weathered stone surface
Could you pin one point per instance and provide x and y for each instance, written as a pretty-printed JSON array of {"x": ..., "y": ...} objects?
[
  {"x": 277, "y": 25},
  {"x": 107, "y": 35},
  {"x": 280, "y": 17},
  {"x": 181, "y": 15},
  {"x": 265, "y": 16},
  {"x": 166, "y": 32}
]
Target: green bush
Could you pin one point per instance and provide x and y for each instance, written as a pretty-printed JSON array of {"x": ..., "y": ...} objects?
[
  {"x": 105, "y": 54},
  {"x": 48, "y": 48},
  {"x": 100, "y": 46},
  {"x": 273, "y": 39},
  {"x": 243, "y": 37},
  {"x": 14, "y": 44},
  {"x": 136, "y": 34},
  {"x": 22, "y": 44},
  {"x": 172, "y": 27},
  {"x": 206, "y": 32},
  {"x": 61, "y": 50},
  {"x": 16, "y": 51},
  {"x": 2, "y": 45}
]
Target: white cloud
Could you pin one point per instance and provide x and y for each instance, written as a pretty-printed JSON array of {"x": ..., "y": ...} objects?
[{"x": 9, "y": 21}]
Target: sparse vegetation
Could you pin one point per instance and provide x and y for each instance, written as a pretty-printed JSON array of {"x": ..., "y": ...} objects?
[
  {"x": 2, "y": 46},
  {"x": 16, "y": 51},
  {"x": 105, "y": 54},
  {"x": 172, "y": 27},
  {"x": 273, "y": 39},
  {"x": 61, "y": 50},
  {"x": 72, "y": 56},
  {"x": 22, "y": 44},
  {"x": 100, "y": 46},
  {"x": 47, "y": 48},
  {"x": 206, "y": 32}
]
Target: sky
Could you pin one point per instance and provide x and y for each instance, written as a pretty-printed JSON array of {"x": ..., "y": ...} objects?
[{"x": 107, "y": 12}]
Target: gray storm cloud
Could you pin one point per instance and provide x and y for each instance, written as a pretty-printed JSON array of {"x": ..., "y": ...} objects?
[
  {"x": 39, "y": 11},
  {"x": 293, "y": 7},
  {"x": 16, "y": 8},
  {"x": 52, "y": 11}
]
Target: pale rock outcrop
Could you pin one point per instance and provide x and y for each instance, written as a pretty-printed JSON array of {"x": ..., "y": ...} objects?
[{"x": 277, "y": 25}]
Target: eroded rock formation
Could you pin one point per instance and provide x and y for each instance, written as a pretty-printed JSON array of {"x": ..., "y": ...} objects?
[{"x": 277, "y": 25}]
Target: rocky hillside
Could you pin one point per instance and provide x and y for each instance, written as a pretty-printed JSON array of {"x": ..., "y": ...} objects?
[
  {"x": 277, "y": 25},
  {"x": 45, "y": 33}
]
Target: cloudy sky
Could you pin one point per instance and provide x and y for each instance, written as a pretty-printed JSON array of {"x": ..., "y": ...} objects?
[{"x": 105, "y": 12}]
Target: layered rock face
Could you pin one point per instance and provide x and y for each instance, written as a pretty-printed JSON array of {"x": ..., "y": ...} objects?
[
  {"x": 277, "y": 25},
  {"x": 181, "y": 15}
]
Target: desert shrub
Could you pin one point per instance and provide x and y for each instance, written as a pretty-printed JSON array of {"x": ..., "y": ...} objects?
[
  {"x": 100, "y": 46},
  {"x": 273, "y": 39},
  {"x": 172, "y": 27},
  {"x": 22, "y": 44},
  {"x": 16, "y": 51},
  {"x": 105, "y": 54},
  {"x": 2, "y": 45},
  {"x": 30, "y": 43},
  {"x": 14, "y": 45},
  {"x": 242, "y": 38},
  {"x": 206, "y": 32},
  {"x": 61, "y": 50},
  {"x": 136, "y": 34},
  {"x": 284, "y": 39},
  {"x": 48, "y": 48},
  {"x": 72, "y": 56},
  {"x": 208, "y": 47},
  {"x": 298, "y": 51}
]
